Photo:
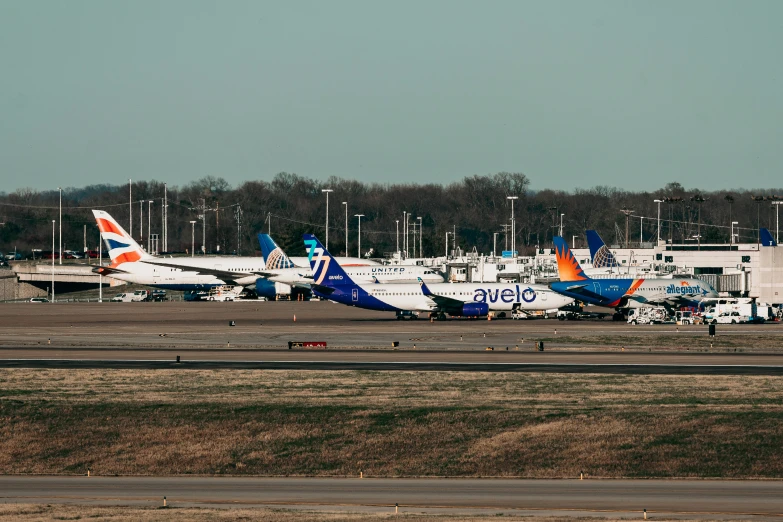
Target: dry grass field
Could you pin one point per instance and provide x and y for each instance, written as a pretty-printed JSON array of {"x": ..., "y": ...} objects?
[
  {"x": 389, "y": 424},
  {"x": 46, "y": 513}
]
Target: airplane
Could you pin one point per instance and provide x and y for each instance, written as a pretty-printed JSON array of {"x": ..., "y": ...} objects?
[
  {"x": 624, "y": 293},
  {"x": 130, "y": 263},
  {"x": 332, "y": 282},
  {"x": 281, "y": 269},
  {"x": 765, "y": 236}
]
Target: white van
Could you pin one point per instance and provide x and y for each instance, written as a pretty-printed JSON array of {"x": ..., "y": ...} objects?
[{"x": 122, "y": 298}]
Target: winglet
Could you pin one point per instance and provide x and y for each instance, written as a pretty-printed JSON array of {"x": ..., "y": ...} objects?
[
  {"x": 766, "y": 238},
  {"x": 424, "y": 288},
  {"x": 567, "y": 266},
  {"x": 326, "y": 270}
]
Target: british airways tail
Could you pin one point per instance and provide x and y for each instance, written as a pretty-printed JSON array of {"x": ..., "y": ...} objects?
[
  {"x": 765, "y": 236},
  {"x": 567, "y": 266},
  {"x": 273, "y": 255},
  {"x": 326, "y": 271},
  {"x": 122, "y": 248},
  {"x": 599, "y": 252}
]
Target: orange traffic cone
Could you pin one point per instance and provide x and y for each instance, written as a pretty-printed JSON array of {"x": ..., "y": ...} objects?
[{"x": 294, "y": 317}]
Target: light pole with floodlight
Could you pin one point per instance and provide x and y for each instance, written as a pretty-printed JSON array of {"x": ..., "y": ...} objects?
[
  {"x": 731, "y": 240},
  {"x": 561, "y": 224},
  {"x": 513, "y": 226},
  {"x": 61, "y": 228},
  {"x": 360, "y": 216},
  {"x": 52, "y": 260},
  {"x": 659, "y": 201},
  {"x": 192, "y": 238},
  {"x": 327, "y": 215},
  {"x": 346, "y": 227},
  {"x": 149, "y": 224},
  {"x": 397, "y": 222},
  {"x": 421, "y": 230}
]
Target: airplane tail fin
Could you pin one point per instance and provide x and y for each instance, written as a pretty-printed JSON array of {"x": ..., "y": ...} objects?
[
  {"x": 600, "y": 254},
  {"x": 122, "y": 248},
  {"x": 274, "y": 257},
  {"x": 567, "y": 266},
  {"x": 326, "y": 271},
  {"x": 766, "y": 238}
]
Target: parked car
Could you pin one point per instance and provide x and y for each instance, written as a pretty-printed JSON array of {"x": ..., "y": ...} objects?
[
  {"x": 122, "y": 298},
  {"x": 38, "y": 300},
  {"x": 730, "y": 318}
]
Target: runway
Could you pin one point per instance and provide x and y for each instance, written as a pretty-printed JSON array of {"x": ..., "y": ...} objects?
[
  {"x": 396, "y": 360},
  {"x": 658, "y": 497}
]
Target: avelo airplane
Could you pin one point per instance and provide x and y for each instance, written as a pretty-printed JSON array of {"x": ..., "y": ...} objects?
[
  {"x": 624, "y": 293},
  {"x": 132, "y": 264},
  {"x": 330, "y": 281},
  {"x": 287, "y": 272}
]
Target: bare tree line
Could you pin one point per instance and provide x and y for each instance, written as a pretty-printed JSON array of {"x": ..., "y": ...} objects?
[{"x": 476, "y": 208}]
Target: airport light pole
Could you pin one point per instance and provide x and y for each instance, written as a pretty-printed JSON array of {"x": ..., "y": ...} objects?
[
  {"x": 494, "y": 243},
  {"x": 777, "y": 221},
  {"x": 149, "y": 224},
  {"x": 397, "y": 221},
  {"x": 52, "y": 260},
  {"x": 346, "y": 227},
  {"x": 130, "y": 207},
  {"x": 447, "y": 244},
  {"x": 405, "y": 233},
  {"x": 641, "y": 231},
  {"x": 731, "y": 240},
  {"x": 61, "y": 231},
  {"x": 421, "y": 230},
  {"x": 327, "y": 215},
  {"x": 192, "y": 238},
  {"x": 659, "y": 201},
  {"x": 513, "y": 226},
  {"x": 141, "y": 224},
  {"x": 360, "y": 216},
  {"x": 561, "y": 224}
]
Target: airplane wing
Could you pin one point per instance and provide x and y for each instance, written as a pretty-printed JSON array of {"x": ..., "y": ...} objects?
[
  {"x": 443, "y": 302},
  {"x": 224, "y": 275}
]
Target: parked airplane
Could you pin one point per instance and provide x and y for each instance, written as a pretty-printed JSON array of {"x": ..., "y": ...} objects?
[
  {"x": 456, "y": 299},
  {"x": 624, "y": 293},
  {"x": 132, "y": 264},
  {"x": 281, "y": 269},
  {"x": 766, "y": 238}
]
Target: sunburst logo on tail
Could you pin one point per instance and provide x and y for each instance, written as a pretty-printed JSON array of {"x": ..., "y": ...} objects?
[{"x": 567, "y": 266}]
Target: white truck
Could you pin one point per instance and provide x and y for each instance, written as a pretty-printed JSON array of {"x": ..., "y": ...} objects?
[
  {"x": 139, "y": 296},
  {"x": 744, "y": 306},
  {"x": 730, "y": 318},
  {"x": 647, "y": 315},
  {"x": 122, "y": 298},
  {"x": 224, "y": 293}
]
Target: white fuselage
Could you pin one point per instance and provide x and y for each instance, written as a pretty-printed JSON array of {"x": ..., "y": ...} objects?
[
  {"x": 396, "y": 274},
  {"x": 184, "y": 274},
  {"x": 498, "y": 296}
]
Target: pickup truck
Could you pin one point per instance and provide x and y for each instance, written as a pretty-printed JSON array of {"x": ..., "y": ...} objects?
[{"x": 730, "y": 318}]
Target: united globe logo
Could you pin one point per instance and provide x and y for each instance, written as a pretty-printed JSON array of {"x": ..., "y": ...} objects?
[{"x": 278, "y": 259}]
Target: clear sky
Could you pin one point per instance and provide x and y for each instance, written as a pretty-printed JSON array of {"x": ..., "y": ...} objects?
[{"x": 573, "y": 93}]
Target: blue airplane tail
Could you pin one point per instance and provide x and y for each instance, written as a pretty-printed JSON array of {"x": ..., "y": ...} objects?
[
  {"x": 274, "y": 257},
  {"x": 568, "y": 267},
  {"x": 766, "y": 238},
  {"x": 599, "y": 252},
  {"x": 326, "y": 271}
]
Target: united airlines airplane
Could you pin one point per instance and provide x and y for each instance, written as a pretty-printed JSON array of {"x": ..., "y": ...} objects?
[
  {"x": 330, "y": 281},
  {"x": 624, "y": 293},
  {"x": 281, "y": 269}
]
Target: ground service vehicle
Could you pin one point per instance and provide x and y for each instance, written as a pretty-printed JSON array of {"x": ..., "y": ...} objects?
[
  {"x": 730, "y": 318},
  {"x": 157, "y": 295},
  {"x": 647, "y": 315},
  {"x": 122, "y": 298}
]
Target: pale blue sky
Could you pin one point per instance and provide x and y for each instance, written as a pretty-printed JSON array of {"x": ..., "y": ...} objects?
[{"x": 573, "y": 93}]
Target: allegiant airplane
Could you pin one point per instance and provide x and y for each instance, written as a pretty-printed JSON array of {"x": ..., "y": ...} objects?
[
  {"x": 331, "y": 282},
  {"x": 624, "y": 293}
]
